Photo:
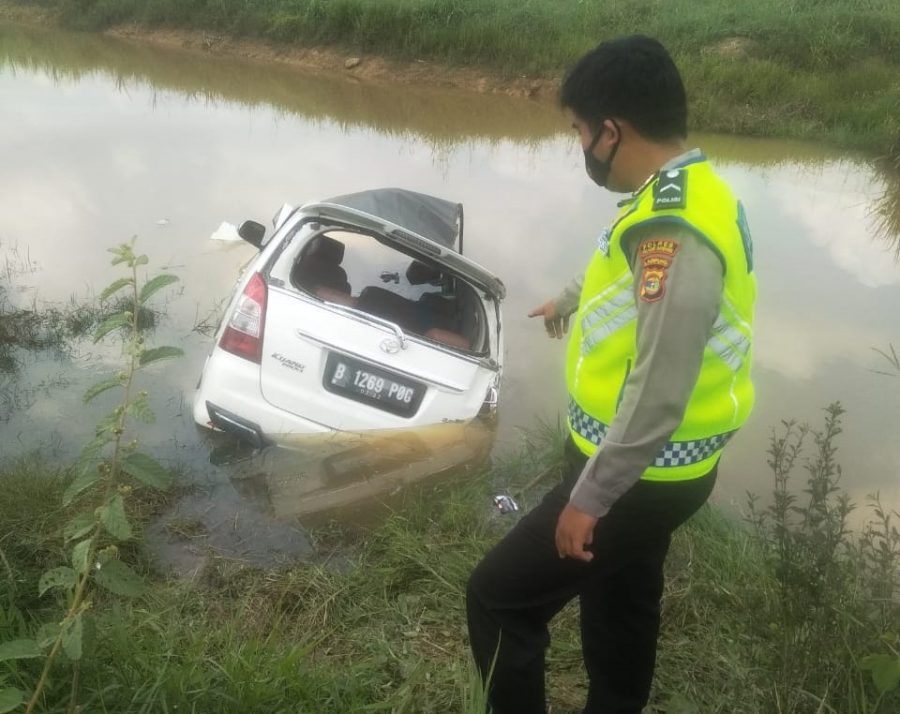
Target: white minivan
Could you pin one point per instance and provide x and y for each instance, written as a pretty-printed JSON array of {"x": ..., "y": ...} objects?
[{"x": 359, "y": 313}]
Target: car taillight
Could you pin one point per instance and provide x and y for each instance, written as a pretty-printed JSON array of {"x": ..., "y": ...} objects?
[
  {"x": 243, "y": 335},
  {"x": 491, "y": 401}
]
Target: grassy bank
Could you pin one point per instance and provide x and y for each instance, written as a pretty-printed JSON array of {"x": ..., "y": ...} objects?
[
  {"x": 377, "y": 622},
  {"x": 827, "y": 69}
]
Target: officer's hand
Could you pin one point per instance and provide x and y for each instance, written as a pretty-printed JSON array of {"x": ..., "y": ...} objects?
[
  {"x": 556, "y": 324},
  {"x": 574, "y": 532}
]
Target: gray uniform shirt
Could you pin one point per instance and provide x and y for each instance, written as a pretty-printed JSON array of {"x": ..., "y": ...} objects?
[{"x": 671, "y": 336}]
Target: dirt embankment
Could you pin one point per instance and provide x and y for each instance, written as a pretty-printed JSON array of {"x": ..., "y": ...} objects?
[{"x": 310, "y": 59}]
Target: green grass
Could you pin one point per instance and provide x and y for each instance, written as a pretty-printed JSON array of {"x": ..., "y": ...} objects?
[
  {"x": 824, "y": 69},
  {"x": 385, "y": 630}
]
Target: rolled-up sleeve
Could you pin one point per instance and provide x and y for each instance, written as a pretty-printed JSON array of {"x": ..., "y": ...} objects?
[{"x": 675, "y": 316}]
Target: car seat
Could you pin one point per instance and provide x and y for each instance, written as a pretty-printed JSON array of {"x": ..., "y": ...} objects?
[
  {"x": 443, "y": 311},
  {"x": 454, "y": 339},
  {"x": 408, "y": 314},
  {"x": 415, "y": 316},
  {"x": 320, "y": 266},
  {"x": 418, "y": 273}
]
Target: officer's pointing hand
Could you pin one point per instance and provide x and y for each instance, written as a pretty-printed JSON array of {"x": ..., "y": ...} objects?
[
  {"x": 574, "y": 532},
  {"x": 556, "y": 324}
]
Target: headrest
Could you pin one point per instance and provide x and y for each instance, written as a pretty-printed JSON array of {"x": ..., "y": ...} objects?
[
  {"x": 419, "y": 273},
  {"x": 325, "y": 250}
]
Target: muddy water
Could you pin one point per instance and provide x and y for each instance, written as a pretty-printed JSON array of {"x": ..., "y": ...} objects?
[{"x": 102, "y": 140}]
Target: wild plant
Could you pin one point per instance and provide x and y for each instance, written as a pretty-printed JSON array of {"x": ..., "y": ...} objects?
[
  {"x": 879, "y": 550},
  {"x": 109, "y": 467},
  {"x": 835, "y": 584},
  {"x": 893, "y": 360}
]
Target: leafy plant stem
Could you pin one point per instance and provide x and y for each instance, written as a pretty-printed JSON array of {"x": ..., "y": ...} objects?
[
  {"x": 78, "y": 597},
  {"x": 44, "y": 674},
  {"x": 73, "y": 696}
]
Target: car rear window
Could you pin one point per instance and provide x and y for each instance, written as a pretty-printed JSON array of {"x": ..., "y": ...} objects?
[{"x": 357, "y": 271}]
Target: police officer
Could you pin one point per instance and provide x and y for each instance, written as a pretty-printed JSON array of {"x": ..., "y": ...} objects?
[{"x": 658, "y": 374}]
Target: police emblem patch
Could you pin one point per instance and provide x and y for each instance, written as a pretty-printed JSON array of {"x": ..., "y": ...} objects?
[{"x": 656, "y": 256}]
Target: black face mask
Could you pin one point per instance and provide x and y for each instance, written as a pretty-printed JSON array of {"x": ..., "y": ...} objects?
[{"x": 599, "y": 170}]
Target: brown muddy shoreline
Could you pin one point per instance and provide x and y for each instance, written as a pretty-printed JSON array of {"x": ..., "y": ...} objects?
[{"x": 309, "y": 59}]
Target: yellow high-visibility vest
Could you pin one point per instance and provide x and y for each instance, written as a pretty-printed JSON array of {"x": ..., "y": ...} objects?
[{"x": 602, "y": 347}]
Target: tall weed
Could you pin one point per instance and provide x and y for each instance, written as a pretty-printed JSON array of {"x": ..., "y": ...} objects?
[
  {"x": 95, "y": 503},
  {"x": 835, "y": 585}
]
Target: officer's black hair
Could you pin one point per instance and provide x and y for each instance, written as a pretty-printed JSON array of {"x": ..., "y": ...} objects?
[{"x": 632, "y": 78}]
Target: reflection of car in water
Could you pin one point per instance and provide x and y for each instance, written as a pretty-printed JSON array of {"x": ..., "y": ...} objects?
[
  {"x": 359, "y": 313},
  {"x": 330, "y": 473}
]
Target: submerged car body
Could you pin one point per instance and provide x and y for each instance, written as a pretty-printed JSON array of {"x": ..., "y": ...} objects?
[
  {"x": 345, "y": 475},
  {"x": 359, "y": 313}
]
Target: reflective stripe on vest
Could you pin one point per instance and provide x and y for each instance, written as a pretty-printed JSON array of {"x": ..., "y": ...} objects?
[
  {"x": 674, "y": 453},
  {"x": 602, "y": 344}
]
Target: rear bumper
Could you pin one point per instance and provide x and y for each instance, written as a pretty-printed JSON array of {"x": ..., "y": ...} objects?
[
  {"x": 229, "y": 399},
  {"x": 248, "y": 431}
]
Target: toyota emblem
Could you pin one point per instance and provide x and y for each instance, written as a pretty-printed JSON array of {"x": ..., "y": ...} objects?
[{"x": 391, "y": 346}]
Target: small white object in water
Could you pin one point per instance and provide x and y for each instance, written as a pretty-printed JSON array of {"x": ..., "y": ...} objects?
[
  {"x": 226, "y": 232},
  {"x": 162, "y": 222}
]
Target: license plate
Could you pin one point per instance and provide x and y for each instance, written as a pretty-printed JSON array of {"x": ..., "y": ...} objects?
[{"x": 372, "y": 385}]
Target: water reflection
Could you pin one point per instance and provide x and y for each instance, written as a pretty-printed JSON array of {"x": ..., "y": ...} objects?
[
  {"x": 338, "y": 472},
  {"x": 261, "y": 513},
  {"x": 886, "y": 209},
  {"x": 443, "y": 117}
]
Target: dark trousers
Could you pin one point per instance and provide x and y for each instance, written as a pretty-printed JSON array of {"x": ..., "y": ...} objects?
[{"x": 522, "y": 583}]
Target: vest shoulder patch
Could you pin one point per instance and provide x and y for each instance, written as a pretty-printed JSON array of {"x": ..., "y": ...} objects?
[
  {"x": 670, "y": 190},
  {"x": 603, "y": 242},
  {"x": 656, "y": 256}
]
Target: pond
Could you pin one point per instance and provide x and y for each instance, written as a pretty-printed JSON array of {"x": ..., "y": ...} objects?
[{"x": 103, "y": 140}]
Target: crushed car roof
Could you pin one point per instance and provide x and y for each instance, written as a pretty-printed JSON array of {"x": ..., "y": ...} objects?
[{"x": 430, "y": 217}]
